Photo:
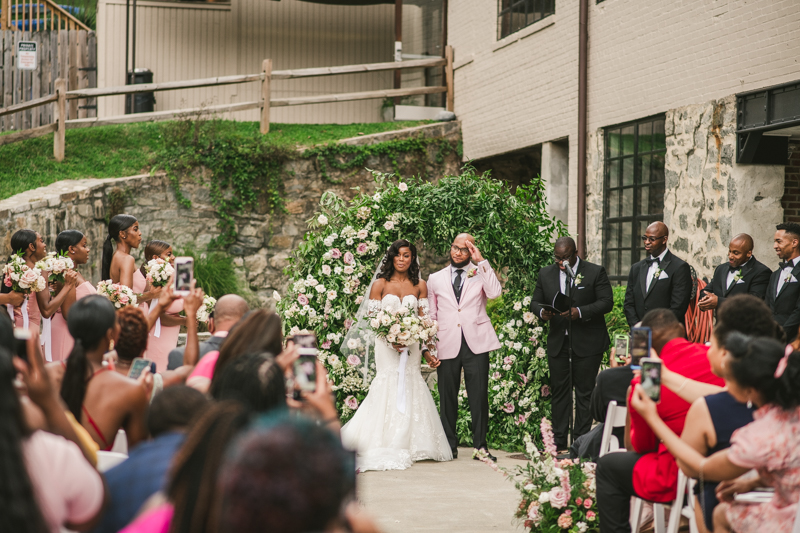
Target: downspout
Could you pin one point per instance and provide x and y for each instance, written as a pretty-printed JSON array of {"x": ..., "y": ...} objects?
[{"x": 583, "y": 41}]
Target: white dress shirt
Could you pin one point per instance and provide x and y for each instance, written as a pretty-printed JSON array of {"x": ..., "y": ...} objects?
[
  {"x": 653, "y": 267},
  {"x": 732, "y": 274},
  {"x": 787, "y": 271}
]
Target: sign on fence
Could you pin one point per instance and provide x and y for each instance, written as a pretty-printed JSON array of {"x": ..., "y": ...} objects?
[{"x": 26, "y": 55}]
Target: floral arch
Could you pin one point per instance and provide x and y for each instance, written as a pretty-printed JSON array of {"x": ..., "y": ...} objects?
[{"x": 332, "y": 267}]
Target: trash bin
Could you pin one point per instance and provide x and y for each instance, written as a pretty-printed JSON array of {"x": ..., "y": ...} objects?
[{"x": 142, "y": 102}]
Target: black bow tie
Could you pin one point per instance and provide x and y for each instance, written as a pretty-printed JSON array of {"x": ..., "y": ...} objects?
[
  {"x": 786, "y": 264},
  {"x": 735, "y": 269},
  {"x": 651, "y": 260}
]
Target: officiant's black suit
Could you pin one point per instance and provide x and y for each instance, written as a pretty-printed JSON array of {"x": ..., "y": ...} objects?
[
  {"x": 785, "y": 305},
  {"x": 671, "y": 293},
  {"x": 755, "y": 277},
  {"x": 594, "y": 298}
]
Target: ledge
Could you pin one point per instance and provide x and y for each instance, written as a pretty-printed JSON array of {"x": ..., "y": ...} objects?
[
  {"x": 536, "y": 27},
  {"x": 438, "y": 129}
]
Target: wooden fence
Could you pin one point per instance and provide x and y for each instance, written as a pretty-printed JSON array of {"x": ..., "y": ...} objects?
[
  {"x": 69, "y": 55},
  {"x": 62, "y": 95}
]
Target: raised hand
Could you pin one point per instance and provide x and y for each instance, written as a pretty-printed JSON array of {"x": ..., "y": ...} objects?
[
  {"x": 475, "y": 254},
  {"x": 192, "y": 301}
]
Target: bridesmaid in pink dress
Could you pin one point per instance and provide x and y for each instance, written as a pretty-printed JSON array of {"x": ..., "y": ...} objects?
[
  {"x": 40, "y": 304},
  {"x": 72, "y": 243},
  {"x": 163, "y": 336}
]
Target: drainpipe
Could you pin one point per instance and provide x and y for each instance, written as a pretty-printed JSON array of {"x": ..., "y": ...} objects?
[{"x": 583, "y": 41}]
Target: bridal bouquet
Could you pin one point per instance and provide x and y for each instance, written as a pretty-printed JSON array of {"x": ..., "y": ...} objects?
[
  {"x": 403, "y": 326},
  {"x": 56, "y": 264},
  {"x": 206, "y": 309},
  {"x": 119, "y": 294},
  {"x": 556, "y": 495},
  {"x": 22, "y": 278},
  {"x": 159, "y": 272}
]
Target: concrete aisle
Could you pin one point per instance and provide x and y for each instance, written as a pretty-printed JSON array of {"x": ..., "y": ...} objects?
[{"x": 461, "y": 495}]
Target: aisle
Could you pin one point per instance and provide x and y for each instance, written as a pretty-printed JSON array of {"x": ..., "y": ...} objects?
[{"x": 462, "y": 495}]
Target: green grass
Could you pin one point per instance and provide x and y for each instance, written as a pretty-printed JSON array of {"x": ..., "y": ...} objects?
[{"x": 128, "y": 149}]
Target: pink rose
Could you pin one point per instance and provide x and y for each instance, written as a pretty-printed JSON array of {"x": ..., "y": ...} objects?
[
  {"x": 565, "y": 521},
  {"x": 578, "y": 500},
  {"x": 545, "y": 391},
  {"x": 349, "y": 258},
  {"x": 588, "y": 503},
  {"x": 507, "y": 360},
  {"x": 8, "y": 281},
  {"x": 353, "y": 360},
  {"x": 348, "y": 324},
  {"x": 362, "y": 248},
  {"x": 149, "y": 278},
  {"x": 335, "y": 253},
  {"x": 524, "y": 379},
  {"x": 124, "y": 299},
  {"x": 590, "y": 515},
  {"x": 559, "y": 498},
  {"x": 509, "y": 407},
  {"x": 496, "y": 375},
  {"x": 302, "y": 299},
  {"x": 351, "y": 402},
  {"x": 326, "y": 345},
  {"x": 28, "y": 278}
]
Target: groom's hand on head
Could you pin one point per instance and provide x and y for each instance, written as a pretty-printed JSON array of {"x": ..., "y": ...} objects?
[{"x": 474, "y": 252}]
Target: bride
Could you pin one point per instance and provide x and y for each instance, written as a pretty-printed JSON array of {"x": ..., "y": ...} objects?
[{"x": 397, "y": 423}]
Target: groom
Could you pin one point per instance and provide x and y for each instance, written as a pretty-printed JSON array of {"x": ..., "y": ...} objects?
[{"x": 457, "y": 296}]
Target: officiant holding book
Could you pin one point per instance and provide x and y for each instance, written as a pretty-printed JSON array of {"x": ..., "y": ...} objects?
[{"x": 574, "y": 296}]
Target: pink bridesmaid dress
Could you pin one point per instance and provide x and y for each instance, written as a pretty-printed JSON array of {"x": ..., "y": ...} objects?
[
  {"x": 62, "y": 341},
  {"x": 139, "y": 286},
  {"x": 34, "y": 316},
  {"x": 158, "y": 348}
]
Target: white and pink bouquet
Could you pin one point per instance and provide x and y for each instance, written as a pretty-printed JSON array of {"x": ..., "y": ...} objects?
[
  {"x": 22, "y": 278},
  {"x": 205, "y": 310},
  {"x": 57, "y": 265},
  {"x": 120, "y": 295},
  {"x": 403, "y": 326},
  {"x": 159, "y": 272}
]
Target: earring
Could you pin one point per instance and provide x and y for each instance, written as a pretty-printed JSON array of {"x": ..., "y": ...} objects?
[{"x": 749, "y": 404}]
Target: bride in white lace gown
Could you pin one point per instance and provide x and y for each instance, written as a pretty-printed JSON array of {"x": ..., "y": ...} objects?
[{"x": 397, "y": 423}]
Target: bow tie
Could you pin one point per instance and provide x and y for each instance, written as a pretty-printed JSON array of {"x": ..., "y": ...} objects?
[
  {"x": 786, "y": 264},
  {"x": 651, "y": 260},
  {"x": 735, "y": 269}
]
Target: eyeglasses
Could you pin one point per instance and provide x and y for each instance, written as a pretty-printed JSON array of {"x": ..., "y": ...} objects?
[
  {"x": 646, "y": 238},
  {"x": 457, "y": 250},
  {"x": 562, "y": 259}
]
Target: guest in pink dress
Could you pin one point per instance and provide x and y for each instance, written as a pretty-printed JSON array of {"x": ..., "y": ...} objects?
[
  {"x": 163, "y": 337},
  {"x": 72, "y": 243}
]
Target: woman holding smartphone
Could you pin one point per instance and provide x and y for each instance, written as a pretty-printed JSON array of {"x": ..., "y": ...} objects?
[{"x": 163, "y": 337}]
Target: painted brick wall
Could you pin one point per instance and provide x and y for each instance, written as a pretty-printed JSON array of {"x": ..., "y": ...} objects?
[{"x": 791, "y": 195}]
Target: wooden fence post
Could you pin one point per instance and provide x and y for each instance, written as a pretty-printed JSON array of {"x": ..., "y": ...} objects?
[
  {"x": 60, "y": 112},
  {"x": 448, "y": 74},
  {"x": 266, "y": 68}
]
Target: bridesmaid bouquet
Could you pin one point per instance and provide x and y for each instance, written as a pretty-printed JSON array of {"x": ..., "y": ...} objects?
[
  {"x": 159, "y": 272},
  {"x": 120, "y": 295},
  {"x": 403, "y": 326},
  {"x": 206, "y": 309},
  {"x": 57, "y": 265},
  {"x": 22, "y": 278}
]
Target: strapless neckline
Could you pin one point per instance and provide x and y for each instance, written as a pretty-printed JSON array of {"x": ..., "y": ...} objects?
[{"x": 402, "y": 301}]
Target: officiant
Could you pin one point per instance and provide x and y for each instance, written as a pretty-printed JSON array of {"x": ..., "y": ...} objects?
[{"x": 574, "y": 300}]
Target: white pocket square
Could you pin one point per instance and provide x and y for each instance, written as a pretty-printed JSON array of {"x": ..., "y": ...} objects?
[
  {"x": 740, "y": 281},
  {"x": 663, "y": 275},
  {"x": 579, "y": 288},
  {"x": 793, "y": 280}
]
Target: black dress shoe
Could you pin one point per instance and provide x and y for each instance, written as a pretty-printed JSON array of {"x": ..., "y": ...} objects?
[
  {"x": 455, "y": 452},
  {"x": 489, "y": 455}
]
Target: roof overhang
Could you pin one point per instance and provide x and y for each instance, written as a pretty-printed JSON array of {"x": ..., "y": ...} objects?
[{"x": 765, "y": 121}]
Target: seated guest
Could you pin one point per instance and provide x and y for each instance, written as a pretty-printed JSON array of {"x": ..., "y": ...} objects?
[
  {"x": 45, "y": 481},
  {"x": 144, "y": 473},
  {"x": 649, "y": 471},
  {"x": 783, "y": 293},
  {"x": 228, "y": 310},
  {"x": 742, "y": 274},
  {"x": 256, "y": 380},
  {"x": 101, "y": 399},
  {"x": 761, "y": 371}
]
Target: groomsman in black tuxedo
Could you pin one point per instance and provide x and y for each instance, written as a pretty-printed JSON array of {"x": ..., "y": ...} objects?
[
  {"x": 592, "y": 298},
  {"x": 783, "y": 293},
  {"x": 742, "y": 274},
  {"x": 659, "y": 281}
]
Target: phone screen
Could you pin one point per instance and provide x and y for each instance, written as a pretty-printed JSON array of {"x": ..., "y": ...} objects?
[
  {"x": 184, "y": 273},
  {"x": 21, "y": 336},
  {"x": 305, "y": 367},
  {"x": 137, "y": 367},
  {"x": 651, "y": 378},
  {"x": 642, "y": 340},
  {"x": 621, "y": 343}
]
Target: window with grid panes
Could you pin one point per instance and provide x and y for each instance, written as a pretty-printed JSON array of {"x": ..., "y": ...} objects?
[
  {"x": 634, "y": 191},
  {"x": 513, "y": 15}
]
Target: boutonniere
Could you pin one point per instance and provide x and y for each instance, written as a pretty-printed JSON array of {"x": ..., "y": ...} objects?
[
  {"x": 657, "y": 273},
  {"x": 788, "y": 277},
  {"x": 472, "y": 273},
  {"x": 578, "y": 279},
  {"x": 737, "y": 277}
]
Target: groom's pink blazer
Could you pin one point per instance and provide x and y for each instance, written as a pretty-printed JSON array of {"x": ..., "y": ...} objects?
[{"x": 469, "y": 315}]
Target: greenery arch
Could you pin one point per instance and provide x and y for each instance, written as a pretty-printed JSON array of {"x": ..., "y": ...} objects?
[{"x": 333, "y": 265}]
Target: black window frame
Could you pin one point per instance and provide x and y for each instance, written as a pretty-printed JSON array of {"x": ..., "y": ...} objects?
[
  {"x": 618, "y": 270},
  {"x": 507, "y": 8}
]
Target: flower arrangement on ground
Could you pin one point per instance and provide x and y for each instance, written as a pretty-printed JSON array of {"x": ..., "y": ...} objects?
[
  {"x": 22, "y": 278},
  {"x": 159, "y": 272},
  {"x": 120, "y": 295},
  {"x": 403, "y": 326},
  {"x": 556, "y": 495},
  {"x": 205, "y": 310},
  {"x": 57, "y": 265}
]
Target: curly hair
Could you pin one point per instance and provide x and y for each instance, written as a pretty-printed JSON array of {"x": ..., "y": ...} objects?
[
  {"x": 387, "y": 268},
  {"x": 746, "y": 314},
  {"x": 133, "y": 333}
]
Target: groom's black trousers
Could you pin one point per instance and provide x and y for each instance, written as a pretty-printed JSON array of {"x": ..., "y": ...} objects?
[{"x": 476, "y": 378}]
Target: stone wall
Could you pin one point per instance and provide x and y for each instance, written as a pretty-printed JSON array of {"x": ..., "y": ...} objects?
[{"x": 264, "y": 243}]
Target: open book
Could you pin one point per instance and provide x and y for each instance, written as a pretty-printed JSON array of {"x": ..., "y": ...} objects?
[{"x": 559, "y": 305}]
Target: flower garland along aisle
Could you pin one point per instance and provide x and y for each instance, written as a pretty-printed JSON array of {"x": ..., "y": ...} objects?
[
  {"x": 332, "y": 268},
  {"x": 556, "y": 495}
]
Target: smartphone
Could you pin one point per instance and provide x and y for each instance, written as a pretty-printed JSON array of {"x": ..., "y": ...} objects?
[
  {"x": 641, "y": 341},
  {"x": 305, "y": 367},
  {"x": 651, "y": 378},
  {"x": 621, "y": 344},
  {"x": 138, "y": 365},
  {"x": 184, "y": 274},
  {"x": 21, "y": 336}
]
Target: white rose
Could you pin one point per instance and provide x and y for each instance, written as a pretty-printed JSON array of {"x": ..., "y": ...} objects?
[
  {"x": 326, "y": 270},
  {"x": 363, "y": 234},
  {"x": 517, "y": 346},
  {"x": 544, "y": 497},
  {"x": 526, "y": 301},
  {"x": 332, "y": 295},
  {"x": 528, "y": 317},
  {"x": 329, "y": 241},
  {"x": 353, "y": 344},
  {"x": 517, "y": 306},
  {"x": 402, "y": 186},
  {"x": 386, "y": 320},
  {"x": 349, "y": 270},
  {"x": 389, "y": 225},
  {"x": 320, "y": 288},
  {"x": 540, "y": 352},
  {"x": 276, "y": 296},
  {"x": 323, "y": 220}
]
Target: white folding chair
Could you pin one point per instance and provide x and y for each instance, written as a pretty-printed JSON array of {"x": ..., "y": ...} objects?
[
  {"x": 120, "y": 442},
  {"x": 683, "y": 505},
  {"x": 615, "y": 417},
  {"x": 659, "y": 525},
  {"x": 108, "y": 460}
]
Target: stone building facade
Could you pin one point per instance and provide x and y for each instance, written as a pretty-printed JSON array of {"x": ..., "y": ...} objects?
[{"x": 264, "y": 242}]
